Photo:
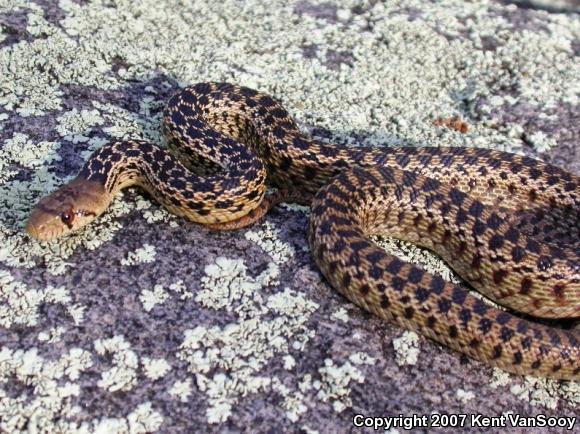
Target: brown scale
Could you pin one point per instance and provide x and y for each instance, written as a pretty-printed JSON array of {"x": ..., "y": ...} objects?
[{"x": 498, "y": 219}]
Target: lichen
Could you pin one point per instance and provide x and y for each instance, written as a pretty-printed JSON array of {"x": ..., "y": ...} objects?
[
  {"x": 140, "y": 421},
  {"x": 406, "y": 348},
  {"x": 21, "y": 150},
  {"x": 123, "y": 374},
  {"x": 240, "y": 350},
  {"x": 52, "y": 390},
  {"x": 341, "y": 314},
  {"x": 268, "y": 240},
  {"x": 180, "y": 288},
  {"x": 538, "y": 391},
  {"x": 547, "y": 393},
  {"x": 334, "y": 383},
  {"x": 181, "y": 390},
  {"x": 541, "y": 142},
  {"x": 155, "y": 368},
  {"x": 150, "y": 298},
  {"x": 293, "y": 402},
  {"x": 20, "y": 305},
  {"x": 75, "y": 122},
  {"x": 51, "y": 336},
  {"x": 464, "y": 396},
  {"x": 145, "y": 254}
]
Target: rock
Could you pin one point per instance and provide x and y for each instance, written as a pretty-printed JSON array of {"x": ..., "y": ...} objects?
[{"x": 147, "y": 323}]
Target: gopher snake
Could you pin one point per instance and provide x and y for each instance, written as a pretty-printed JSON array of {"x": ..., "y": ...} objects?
[{"x": 481, "y": 210}]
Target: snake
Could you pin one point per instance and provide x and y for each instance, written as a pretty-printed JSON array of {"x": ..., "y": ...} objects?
[{"x": 507, "y": 224}]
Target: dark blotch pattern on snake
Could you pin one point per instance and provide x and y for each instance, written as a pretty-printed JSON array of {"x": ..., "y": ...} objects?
[{"x": 507, "y": 224}]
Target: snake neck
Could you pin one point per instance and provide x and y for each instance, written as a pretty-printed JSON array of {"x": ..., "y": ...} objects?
[{"x": 170, "y": 182}]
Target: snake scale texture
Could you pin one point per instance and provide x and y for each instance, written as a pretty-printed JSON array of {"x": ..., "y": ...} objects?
[{"x": 509, "y": 225}]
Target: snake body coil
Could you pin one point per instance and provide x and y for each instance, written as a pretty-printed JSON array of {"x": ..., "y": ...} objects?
[{"x": 507, "y": 224}]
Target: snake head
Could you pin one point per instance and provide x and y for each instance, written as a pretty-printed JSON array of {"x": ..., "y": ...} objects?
[{"x": 67, "y": 209}]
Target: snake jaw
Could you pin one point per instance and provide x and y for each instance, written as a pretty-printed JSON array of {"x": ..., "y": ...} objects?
[{"x": 67, "y": 209}]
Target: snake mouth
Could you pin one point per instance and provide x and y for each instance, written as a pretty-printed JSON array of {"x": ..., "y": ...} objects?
[
  {"x": 32, "y": 231},
  {"x": 40, "y": 226},
  {"x": 38, "y": 232}
]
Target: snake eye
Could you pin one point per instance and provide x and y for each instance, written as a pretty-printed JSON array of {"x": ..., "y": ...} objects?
[{"x": 67, "y": 217}]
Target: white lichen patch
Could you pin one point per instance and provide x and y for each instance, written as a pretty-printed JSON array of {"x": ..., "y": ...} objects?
[
  {"x": 151, "y": 298},
  {"x": 499, "y": 378},
  {"x": 226, "y": 285},
  {"x": 570, "y": 392},
  {"x": 5, "y": 173},
  {"x": 28, "y": 69},
  {"x": 123, "y": 374},
  {"x": 20, "y": 305},
  {"x": 125, "y": 125},
  {"x": 289, "y": 362},
  {"x": 77, "y": 312},
  {"x": 78, "y": 122},
  {"x": 406, "y": 348},
  {"x": 142, "y": 255},
  {"x": 21, "y": 150},
  {"x": 51, "y": 392},
  {"x": 541, "y": 142},
  {"x": 140, "y": 421},
  {"x": 547, "y": 393},
  {"x": 293, "y": 401},
  {"x": 296, "y": 207},
  {"x": 464, "y": 396},
  {"x": 334, "y": 384},
  {"x": 360, "y": 358},
  {"x": 155, "y": 368},
  {"x": 539, "y": 391},
  {"x": 52, "y": 335},
  {"x": 93, "y": 144},
  {"x": 154, "y": 215},
  {"x": 240, "y": 350},
  {"x": 306, "y": 383},
  {"x": 181, "y": 390},
  {"x": 268, "y": 240},
  {"x": 341, "y": 314},
  {"x": 180, "y": 288},
  {"x": 142, "y": 203}
]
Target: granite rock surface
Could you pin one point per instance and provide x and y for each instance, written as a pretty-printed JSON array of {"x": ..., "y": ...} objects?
[{"x": 144, "y": 322}]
